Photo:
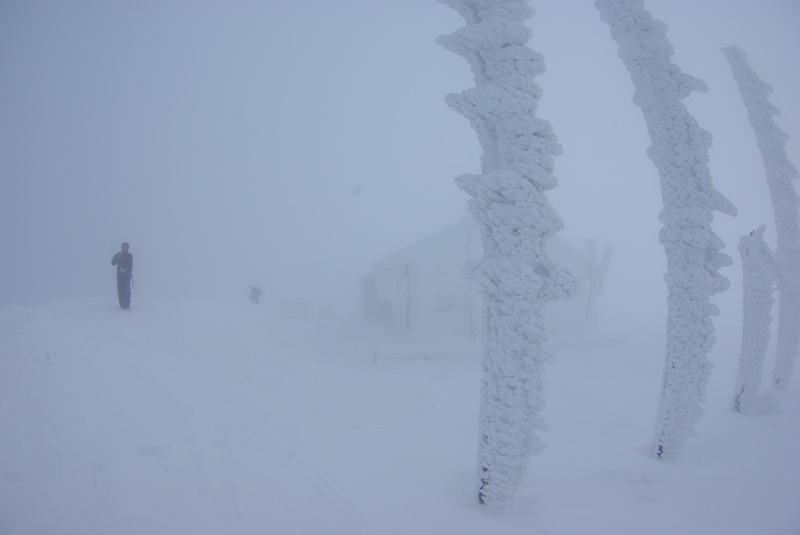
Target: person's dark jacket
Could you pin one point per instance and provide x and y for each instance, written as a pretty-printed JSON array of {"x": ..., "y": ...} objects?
[{"x": 124, "y": 263}]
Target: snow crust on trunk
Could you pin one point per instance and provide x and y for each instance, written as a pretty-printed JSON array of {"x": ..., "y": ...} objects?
[
  {"x": 759, "y": 282},
  {"x": 780, "y": 173},
  {"x": 679, "y": 151},
  {"x": 515, "y": 276}
]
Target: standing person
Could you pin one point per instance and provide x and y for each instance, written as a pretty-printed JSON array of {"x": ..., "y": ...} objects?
[
  {"x": 124, "y": 262},
  {"x": 255, "y": 293}
]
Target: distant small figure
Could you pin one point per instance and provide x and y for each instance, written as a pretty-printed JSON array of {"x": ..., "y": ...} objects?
[
  {"x": 124, "y": 262},
  {"x": 255, "y": 293}
]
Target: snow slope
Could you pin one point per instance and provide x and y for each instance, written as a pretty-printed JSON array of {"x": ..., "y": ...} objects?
[{"x": 207, "y": 417}]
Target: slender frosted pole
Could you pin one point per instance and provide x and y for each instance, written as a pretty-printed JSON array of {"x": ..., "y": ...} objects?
[
  {"x": 758, "y": 285},
  {"x": 515, "y": 276},
  {"x": 679, "y": 151},
  {"x": 780, "y": 173}
]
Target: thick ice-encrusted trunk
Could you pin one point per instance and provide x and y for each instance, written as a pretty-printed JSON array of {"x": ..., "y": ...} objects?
[
  {"x": 680, "y": 153},
  {"x": 780, "y": 173},
  {"x": 758, "y": 281},
  {"x": 515, "y": 276}
]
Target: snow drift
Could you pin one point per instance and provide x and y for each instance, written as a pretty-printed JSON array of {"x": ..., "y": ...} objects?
[{"x": 205, "y": 418}]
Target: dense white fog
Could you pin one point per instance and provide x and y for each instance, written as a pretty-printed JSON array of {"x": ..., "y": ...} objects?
[{"x": 290, "y": 144}]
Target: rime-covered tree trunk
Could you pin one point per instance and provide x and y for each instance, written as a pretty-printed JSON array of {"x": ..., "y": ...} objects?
[
  {"x": 515, "y": 276},
  {"x": 758, "y": 281},
  {"x": 679, "y": 151},
  {"x": 780, "y": 173}
]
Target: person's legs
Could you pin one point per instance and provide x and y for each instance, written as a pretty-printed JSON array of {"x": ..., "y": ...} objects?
[{"x": 124, "y": 292}]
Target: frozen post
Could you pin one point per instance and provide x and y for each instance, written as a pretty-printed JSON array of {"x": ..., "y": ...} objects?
[
  {"x": 515, "y": 276},
  {"x": 758, "y": 282},
  {"x": 679, "y": 151},
  {"x": 780, "y": 174}
]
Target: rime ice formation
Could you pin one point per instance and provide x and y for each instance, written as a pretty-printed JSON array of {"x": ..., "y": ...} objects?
[
  {"x": 515, "y": 276},
  {"x": 759, "y": 282},
  {"x": 780, "y": 174},
  {"x": 680, "y": 153}
]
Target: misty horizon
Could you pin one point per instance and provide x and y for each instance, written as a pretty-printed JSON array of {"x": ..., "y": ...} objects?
[{"x": 291, "y": 145}]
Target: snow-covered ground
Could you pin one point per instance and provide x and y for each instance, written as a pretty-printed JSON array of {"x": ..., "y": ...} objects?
[{"x": 207, "y": 418}]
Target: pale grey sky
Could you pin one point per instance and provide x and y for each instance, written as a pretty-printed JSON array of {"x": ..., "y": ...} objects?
[{"x": 290, "y": 144}]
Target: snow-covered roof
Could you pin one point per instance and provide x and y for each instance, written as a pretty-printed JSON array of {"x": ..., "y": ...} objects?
[{"x": 404, "y": 256}]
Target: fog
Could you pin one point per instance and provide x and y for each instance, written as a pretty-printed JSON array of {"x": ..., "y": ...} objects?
[{"x": 290, "y": 144}]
